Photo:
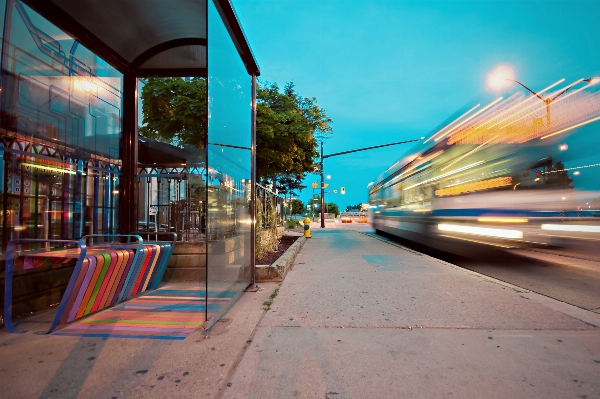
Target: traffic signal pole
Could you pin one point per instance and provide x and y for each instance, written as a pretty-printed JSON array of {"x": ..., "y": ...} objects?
[
  {"x": 322, "y": 191},
  {"x": 322, "y": 173}
]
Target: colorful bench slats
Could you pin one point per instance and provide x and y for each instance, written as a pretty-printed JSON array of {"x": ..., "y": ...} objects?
[
  {"x": 164, "y": 314},
  {"x": 105, "y": 274}
]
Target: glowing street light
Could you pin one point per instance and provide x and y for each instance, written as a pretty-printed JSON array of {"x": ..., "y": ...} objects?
[{"x": 498, "y": 78}]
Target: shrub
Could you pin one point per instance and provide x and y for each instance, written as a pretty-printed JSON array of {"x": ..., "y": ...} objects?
[{"x": 291, "y": 223}]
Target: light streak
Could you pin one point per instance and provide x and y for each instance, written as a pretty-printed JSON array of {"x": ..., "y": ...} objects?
[
  {"x": 554, "y": 102},
  {"x": 478, "y": 186},
  {"x": 521, "y": 103},
  {"x": 570, "y": 128},
  {"x": 421, "y": 162},
  {"x": 573, "y": 168},
  {"x": 467, "y": 154},
  {"x": 421, "y": 210},
  {"x": 69, "y": 171},
  {"x": 454, "y": 121},
  {"x": 482, "y": 231},
  {"x": 476, "y": 241},
  {"x": 571, "y": 227},
  {"x": 502, "y": 220},
  {"x": 459, "y": 183},
  {"x": 445, "y": 174},
  {"x": 469, "y": 118}
]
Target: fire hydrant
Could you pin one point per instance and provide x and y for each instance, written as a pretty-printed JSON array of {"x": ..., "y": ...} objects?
[{"x": 307, "y": 227}]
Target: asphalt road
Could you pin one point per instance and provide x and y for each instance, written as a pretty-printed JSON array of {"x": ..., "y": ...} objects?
[{"x": 571, "y": 275}]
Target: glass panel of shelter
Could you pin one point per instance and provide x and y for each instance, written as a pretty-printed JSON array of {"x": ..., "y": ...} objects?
[
  {"x": 229, "y": 177},
  {"x": 173, "y": 200},
  {"x": 61, "y": 120},
  {"x": 61, "y": 124}
]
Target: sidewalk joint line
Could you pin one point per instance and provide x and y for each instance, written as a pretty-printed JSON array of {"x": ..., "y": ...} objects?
[{"x": 416, "y": 327}]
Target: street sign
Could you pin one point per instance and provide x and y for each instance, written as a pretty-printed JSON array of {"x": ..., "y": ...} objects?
[
  {"x": 343, "y": 190},
  {"x": 314, "y": 184},
  {"x": 153, "y": 209}
]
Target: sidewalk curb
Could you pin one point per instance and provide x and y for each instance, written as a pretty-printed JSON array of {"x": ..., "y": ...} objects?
[{"x": 278, "y": 269}]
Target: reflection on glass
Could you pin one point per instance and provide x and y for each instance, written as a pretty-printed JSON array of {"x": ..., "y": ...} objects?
[
  {"x": 228, "y": 181},
  {"x": 61, "y": 122}
]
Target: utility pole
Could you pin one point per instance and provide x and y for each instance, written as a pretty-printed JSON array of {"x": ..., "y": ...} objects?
[
  {"x": 322, "y": 191},
  {"x": 322, "y": 172}
]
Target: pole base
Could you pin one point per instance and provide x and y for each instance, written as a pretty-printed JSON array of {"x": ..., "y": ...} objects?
[{"x": 252, "y": 288}]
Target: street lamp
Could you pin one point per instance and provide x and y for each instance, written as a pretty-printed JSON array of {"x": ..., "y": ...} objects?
[{"x": 549, "y": 100}]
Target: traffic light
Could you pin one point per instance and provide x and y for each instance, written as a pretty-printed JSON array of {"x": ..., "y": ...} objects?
[
  {"x": 343, "y": 190},
  {"x": 325, "y": 185},
  {"x": 314, "y": 184}
]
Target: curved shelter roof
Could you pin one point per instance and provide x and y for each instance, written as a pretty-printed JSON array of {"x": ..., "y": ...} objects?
[{"x": 146, "y": 37}]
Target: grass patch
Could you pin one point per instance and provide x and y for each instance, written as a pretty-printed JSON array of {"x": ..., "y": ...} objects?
[{"x": 267, "y": 304}]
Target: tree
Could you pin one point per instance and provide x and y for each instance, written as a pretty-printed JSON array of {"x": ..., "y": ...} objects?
[
  {"x": 318, "y": 119},
  {"x": 289, "y": 184},
  {"x": 354, "y": 208},
  {"x": 285, "y": 128},
  {"x": 333, "y": 208},
  {"x": 297, "y": 207},
  {"x": 174, "y": 111},
  {"x": 558, "y": 178}
]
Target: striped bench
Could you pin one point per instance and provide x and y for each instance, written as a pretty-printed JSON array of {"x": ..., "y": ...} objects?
[{"x": 105, "y": 273}]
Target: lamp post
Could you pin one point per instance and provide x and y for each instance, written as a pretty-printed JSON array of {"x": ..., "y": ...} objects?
[
  {"x": 322, "y": 190},
  {"x": 322, "y": 173},
  {"x": 549, "y": 100}
]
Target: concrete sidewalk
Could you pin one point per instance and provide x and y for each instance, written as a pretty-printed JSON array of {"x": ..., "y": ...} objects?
[
  {"x": 360, "y": 318},
  {"x": 51, "y": 366}
]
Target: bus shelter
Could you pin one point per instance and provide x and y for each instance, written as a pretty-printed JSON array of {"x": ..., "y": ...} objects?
[{"x": 73, "y": 163}]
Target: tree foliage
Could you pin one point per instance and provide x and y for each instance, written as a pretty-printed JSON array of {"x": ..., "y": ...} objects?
[
  {"x": 289, "y": 184},
  {"x": 558, "y": 178},
  {"x": 286, "y": 124},
  {"x": 354, "y": 208},
  {"x": 174, "y": 111},
  {"x": 332, "y": 207},
  {"x": 297, "y": 207}
]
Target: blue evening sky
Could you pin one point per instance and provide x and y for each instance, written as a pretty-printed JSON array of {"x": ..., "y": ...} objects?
[{"x": 389, "y": 70}]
